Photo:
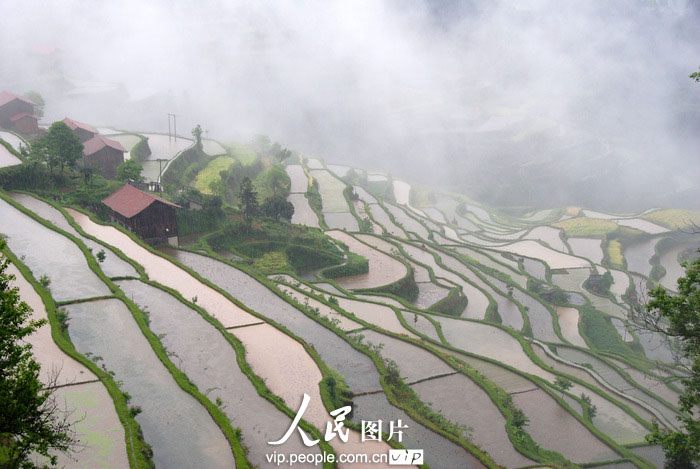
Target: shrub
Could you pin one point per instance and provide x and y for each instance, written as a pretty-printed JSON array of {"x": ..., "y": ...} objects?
[
  {"x": 453, "y": 304},
  {"x": 354, "y": 265}
]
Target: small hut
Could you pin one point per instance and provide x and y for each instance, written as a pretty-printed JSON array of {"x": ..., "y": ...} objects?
[
  {"x": 103, "y": 155},
  {"x": 150, "y": 217}
]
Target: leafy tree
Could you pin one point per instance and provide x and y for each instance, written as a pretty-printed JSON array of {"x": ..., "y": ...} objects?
[
  {"x": 695, "y": 76},
  {"x": 276, "y": 180},
  {"x": 678, "y": 316},
  {"x": 62, "y": 146},
  {"x": 197, "y": 134},
  {"x": 563, "y": 383},
  {"x": 130, "y": 170},
  {"x": 249, "y": 200},
  {"x": 278, "y": 207},
  {"x": 31, "y": 421},
  {"x": 38, "y": 101}
]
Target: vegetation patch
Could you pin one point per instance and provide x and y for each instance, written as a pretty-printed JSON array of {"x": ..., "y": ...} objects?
[
  {"x": 453, "y": 304},
  {"x": 206, "y": 179},
  {"x": 601, "y": 334},
  {"x": 584, "y": 226},
  {"x": 353, "y": 265},
  {"x": 613, "y": 254},
  {"x": 674, "y": 218}
]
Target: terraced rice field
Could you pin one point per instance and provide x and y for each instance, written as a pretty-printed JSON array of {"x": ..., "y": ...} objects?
[
  {"x": 49, "y": 254},
  {"x": 294, "y": 330},
  {"x": 162, "y": 147},
  {"x": 210, "y": 362},
  {"x": 105, "y": 329},
  {"x": 7, "y": 158},
  {"x": 127, "y": 141},
  {"x": 211, "y": 173},
  {"x": 383, "y": 269},
  {"x": 303, "y": 213},
  {"x": 589, "y": 248},
  {"x": 16, "y": 142},
  {"x": 670, "y": 262},
  {"x": 300, "y": 182}
]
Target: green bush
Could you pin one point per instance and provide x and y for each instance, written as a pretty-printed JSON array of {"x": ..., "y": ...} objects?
[
  {"x": 601, "y": 333},
  {"x": 453, "y": 304},
  {"x": 354, "y": 265},
  {"x": 141, "y": 151}
]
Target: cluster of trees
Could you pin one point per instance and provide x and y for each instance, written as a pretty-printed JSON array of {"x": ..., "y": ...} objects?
[
  {"x": 59, "y": 148},
  {"x": 276, "y": 206}
]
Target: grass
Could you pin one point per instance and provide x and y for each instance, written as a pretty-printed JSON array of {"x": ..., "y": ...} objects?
[
  {"x": 242, "y": 152},
  {"x": 211, "y": 172},
  {"x": 583, "y": 226},
  {"x": 601, "y": 334},
  {"x": 614, "y": 254},
  {"x": 674, "y": 218},
  {"x": 272, "y": 262}
]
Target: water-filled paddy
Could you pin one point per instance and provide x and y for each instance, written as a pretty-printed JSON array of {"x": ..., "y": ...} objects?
[
  {"x": 555, "y": 259},
  {"x": 209, "y": 361},
  {"x": 165, "y": 272},
  {"x": 358, "y": 370},
  {"x": 341, "y": 221},
  {"x": 382, "y": 218},
  {"x": 429, "y": 294},
  {"x": 568, "y": 323},
  {"x": 383, "y": 269},
  {"x": 550, "y": 236},
  {"x": 331, "y": 190},
  {"x": 590, "y": 248},
  {"x": 638, "y": 256},
  {"x": 107, "y": 330},
  {"x": 408, "y": 223},
  {"x": 48, "y": 253},
  {"x": 379, "y": 315},
  {"x": 642, "y": 225},
  {"x": 54, "y": 363},
  {"x": 300, "y": 183},
  {"x": 112, "y": 265},
  {"x": 303, "y": 213}
]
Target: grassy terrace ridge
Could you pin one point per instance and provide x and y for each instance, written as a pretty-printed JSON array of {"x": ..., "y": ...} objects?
[
  {"x": 180, "y": 378},
  {"x": 239, "y": 348},
  {"x": 521, "y": 441}
]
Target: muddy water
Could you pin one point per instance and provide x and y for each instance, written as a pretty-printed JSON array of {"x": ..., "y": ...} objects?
[
  {"x": 568, "y": 322},
  {"x": 303, "y": 213},
  {"x": 553, "y": 428},
  {"x": 7, "y": 158},
  {"x": 106, "y": 329},
  {"x": 205, "y": 356},
  {"x": 48, "y": 253},
  {"x": 382, "y": 218},
  {"x": 331, "y": 190},
  {"x": 478, "y": 302},
  {"x": 112, "y": 266},
  {"x": 429, "y": 294},
  {"x": 638, "y": 256},
  {"x": 456, "y": 396},
  {"x": 97, "y": 428},
  {"x": 642, "y": 225},
  {"x": 555, "y": 259},
  {"x": 419, "y": 323},
  {"x": 166, "y": 273},
  {"x": 54, "y": 363},
  {"x": 342, "y": 322},
  {"x": 379, "y": 315},
  {"x": 97, "y": 425},
  {"x": 300, "y": 183},
  {"x": 536, "y": 268},
  {"x": 490, "y": 342},
  {"x": 590, "y": 248},
  {"x": 674, "y": 270},
  {"x": 408, "y": 223},
  {"x": 341, "y": 221},
  {"x": 383, "y": 269},
  {"x": 550, "y": 236},
  {"x": 358, "y": 370}
]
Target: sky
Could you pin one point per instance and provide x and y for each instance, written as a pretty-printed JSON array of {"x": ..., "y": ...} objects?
[{"x": 526, "y": 103}]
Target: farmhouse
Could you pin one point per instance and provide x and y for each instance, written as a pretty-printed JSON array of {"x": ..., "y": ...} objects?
[
  {"x": 152, "y": 218},
  {"x": 83, "y": 131},
  {"x": 103, "y": 155},
  {"x": 17, "y": 113}
]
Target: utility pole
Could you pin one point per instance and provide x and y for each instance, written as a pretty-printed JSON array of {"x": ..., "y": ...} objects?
[
  {"x": 174, "y": 131},
  {"x": 160, "y": 168}
]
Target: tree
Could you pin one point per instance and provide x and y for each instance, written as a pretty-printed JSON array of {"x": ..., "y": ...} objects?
[
  {"x": 278, "y": 207},
  {"x": 197, "y": 134},
  {"x": 130, "y": 170},
  {"x": 31, "y": 421},
  {"x": 62, "y": 145},
  {"x": 695, "y": 76},
  {"x": 249, "y": 200},
  {"x": 678, "y": 316},
  {"x": 38, "y": 101}
]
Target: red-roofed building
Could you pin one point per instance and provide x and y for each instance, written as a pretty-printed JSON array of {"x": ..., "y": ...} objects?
[
  {"x": 104, "y": 155},
  {"x": 152, "y": 218},
  {"x": 83, "y": 131},
  {"x": 17, "y": 113}
]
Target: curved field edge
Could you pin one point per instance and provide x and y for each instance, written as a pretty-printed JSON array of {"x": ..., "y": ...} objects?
[{"x": 180, "y": 378}]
